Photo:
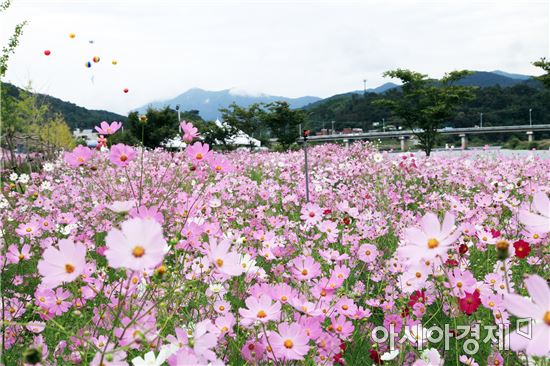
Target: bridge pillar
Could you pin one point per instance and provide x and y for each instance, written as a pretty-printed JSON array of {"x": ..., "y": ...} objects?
[
  {"x": 463, "y": 141},
  {"x": 403, "y": 140},
  {"x": 530, "y": 136}
]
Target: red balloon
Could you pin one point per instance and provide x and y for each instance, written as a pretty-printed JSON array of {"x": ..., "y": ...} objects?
[
  {"x": 47, "y": 52},
  {"x": 126, "y": 90}
]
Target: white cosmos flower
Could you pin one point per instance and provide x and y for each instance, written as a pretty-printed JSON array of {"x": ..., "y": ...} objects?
[{"x": 13, "y": 177}]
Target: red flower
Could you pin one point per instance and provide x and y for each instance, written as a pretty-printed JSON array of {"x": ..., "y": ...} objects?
[
  {"x": 451, "y": 262},
  {"x": 346, "y": 220},
  {"x": 495, "y": 233},
  {"x": 463, "y": 249},
  {"x": 417, "y": 296},
  {"x": 522, "y": 248},
  {"x": 327, "y": 211},
  {"x": 375, "y": 357},
  {"x": 470, "y": 302}
]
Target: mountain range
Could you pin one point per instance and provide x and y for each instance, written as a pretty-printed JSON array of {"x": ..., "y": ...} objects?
[{"x": 207, "y": 103}]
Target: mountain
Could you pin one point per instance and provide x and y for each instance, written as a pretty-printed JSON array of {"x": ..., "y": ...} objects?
[
  {"x": 503, "y": 100},
  {"x": 209, "y": 102},
  {"x": 512, "y": 76},
  {"x": 75, "y": 116}
]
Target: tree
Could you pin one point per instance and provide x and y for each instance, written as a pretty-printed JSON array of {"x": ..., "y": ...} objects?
[
  {"x": 248, "y": 120},
  {"x": 425, "y": 104},
  {"x": 160, "y": 126},
  {"x": 13, "y": 41},
  {"x": 283, "y": 122},
  {"x": 544, "y": 65}
]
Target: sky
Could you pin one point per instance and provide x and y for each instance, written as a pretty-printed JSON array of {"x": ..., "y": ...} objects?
[{"x": 287, "y": 48}]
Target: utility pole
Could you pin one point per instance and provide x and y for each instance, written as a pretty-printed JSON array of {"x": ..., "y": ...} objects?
[
  {"x": 178, "y": 109},
  {"x": 332, "y": 128},
  {"x": 306, "y": 173},
  {"x": 364, "y": 86},
  {"x": 530, "y": 119},
  {"x": 481, "y": 120},
  {"x": 383, "y": 125}
]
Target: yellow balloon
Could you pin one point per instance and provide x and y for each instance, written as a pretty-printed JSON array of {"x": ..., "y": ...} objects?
[
  {"x": 114, "y": 62},
  {"x": 72, "y": 35}
]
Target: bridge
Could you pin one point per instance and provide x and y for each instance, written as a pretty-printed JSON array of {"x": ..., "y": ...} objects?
[{"x": 403, "y": 135}]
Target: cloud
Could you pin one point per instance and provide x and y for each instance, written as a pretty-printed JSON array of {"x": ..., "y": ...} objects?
[{"x": 289, "y": 48}]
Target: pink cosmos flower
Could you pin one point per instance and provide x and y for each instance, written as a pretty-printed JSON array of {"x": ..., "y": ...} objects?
[
  {"x": 62, "y": 265},
  {"x": 432, "y": 241},
  {"x": 305, "y": 268},
  {"x": 342, "y": 327},
  {"x": 60, "y": 306},
  {"x": 311, "y": 214},
  {"x": 537, "y": 222},
  {"x": 31, "y": 229},
  {"x": 470, "y": 361},
  {"x": 121, "y": 155},
  {"x": 260, "y": 309},
  {"x": 367, "y": 253},
  {"x": 225, "y": 261},
  {"x": 139, "y": 245},
  {"x": 538, "y": 310},
  {"x": 79, "y": 156},
  {"x": 108, "y": 129},
  {"x": 290, "y": 343},
  {"x": 14, "y": 255},
  {"x": 219, "y": 164},
  {"x": 189, "y": 131},
  {"x": 198, "y": 152},
  {"x": 151, "y": 213}
]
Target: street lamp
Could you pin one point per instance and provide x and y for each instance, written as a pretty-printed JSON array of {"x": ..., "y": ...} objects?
[
  {"x": 178, "y": 109},
  {"x": 481, "y": 120},
  {"x": 530, "y": 119}
]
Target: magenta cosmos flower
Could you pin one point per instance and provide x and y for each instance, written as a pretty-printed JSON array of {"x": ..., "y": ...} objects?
[
  {"x": 139, "y": 245},
  {"x": 537, "y": 222},
  {"x": 108, "y": 129},
  {"x": 431, "y": 241},
  {"x": 121, "y": 155},
  {"x": 290, "y": 343},
  {"x": 537, "y": 309},
  {"x": 79, "y": 156},
  {"x": 260, "y": 309},
  {"x": 62, "y": 265}
]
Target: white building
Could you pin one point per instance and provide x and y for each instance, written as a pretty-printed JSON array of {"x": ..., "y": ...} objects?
[
  {"x": 89, "y": 135},
  {"x": 241, "y": 138}
]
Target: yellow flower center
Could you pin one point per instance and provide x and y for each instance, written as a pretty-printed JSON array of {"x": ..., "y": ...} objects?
[
  {"x": 547, "y": 317},
  {"x": 261, "y": 314},
  {"x": 288, "y": 344},
  {"x": 222, "y": 308},
  {"x": 536, "y": 236},
  {"x": 219, "y": 262},
  {"x": 28, "y": 229},
  {"x": 304, "y": 272},
  {"x": 69, "y": 268},
  {"x": 284, "y": 298},
  {"x": 123, "y": 157},
  {"x": 418, "y": 274},
  {"x": 138, "y": 251},
  {"x": 433, "y": 243},
  {"x": 345, "y": 307},
  {"x": 199, "y": 156}
]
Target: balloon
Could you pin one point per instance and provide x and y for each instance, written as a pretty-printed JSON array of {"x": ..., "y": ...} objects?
[
  {"x": 125, "y": 90},
  {"x": 114, "y": 62},
  {"x": 47, "y": 52},
  {"x": 72, "y": 35},
  {"x": 96, "y": 59},
  {"x": 88, "y": 64}
]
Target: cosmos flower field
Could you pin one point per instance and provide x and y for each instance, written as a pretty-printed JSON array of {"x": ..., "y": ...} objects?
[{"x": 124, "y": 256}]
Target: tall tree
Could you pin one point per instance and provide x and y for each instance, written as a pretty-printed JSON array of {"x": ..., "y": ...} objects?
[
  {"x": 283, "y": 122},
  {"x": 545, "y": 66},
  {"x": 159, "y": 126},
  {"x": 13, "y": 42},
  {"x": 425, "y": 104}
]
